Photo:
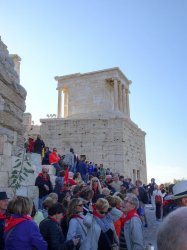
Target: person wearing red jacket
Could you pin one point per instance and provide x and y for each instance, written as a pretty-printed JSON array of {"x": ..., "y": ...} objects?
[{"x": 54, "y": 159}]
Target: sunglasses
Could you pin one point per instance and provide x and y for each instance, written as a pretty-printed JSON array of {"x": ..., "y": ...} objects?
[
  {"x": 103, "y": 212},
  {"x": 95, "y": 181}
]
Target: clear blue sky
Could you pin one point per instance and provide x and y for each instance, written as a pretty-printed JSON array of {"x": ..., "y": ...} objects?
[{"x": 146, "y": 39}]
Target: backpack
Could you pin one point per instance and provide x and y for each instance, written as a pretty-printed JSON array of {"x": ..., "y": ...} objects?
[{"x": 158, "y": 199}]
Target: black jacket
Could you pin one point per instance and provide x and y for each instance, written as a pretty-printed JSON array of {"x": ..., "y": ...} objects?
[
  {"x": 38, "y": 145},
  {"x": 53, "y": 235},
  {"x": 40, "y": 182},
  {"x": 143, "y": 195},
  {"x": 2, "y": 224}
]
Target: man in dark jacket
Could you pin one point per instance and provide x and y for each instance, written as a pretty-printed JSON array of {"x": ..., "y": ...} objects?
[
  {"x": 38, "y": 145},
  {"x": 143, "y": 199},
  {"x": 44, "y": 185},
  {"x": 52, "y": 232},
  {"x": 45, "y": 160},
  {"x": 82, "y": 168},
  {"x": 3, "y": 208}
]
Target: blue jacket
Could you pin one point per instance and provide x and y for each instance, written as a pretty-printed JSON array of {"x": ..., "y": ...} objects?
[
  {"x": 82, "y": 168},
  {"x": 25, "y": 236}
]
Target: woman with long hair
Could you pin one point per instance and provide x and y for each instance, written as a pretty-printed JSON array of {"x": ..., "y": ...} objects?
[
  {"x": 79, "y": 224},
  {"x": 96, "y": 187}
]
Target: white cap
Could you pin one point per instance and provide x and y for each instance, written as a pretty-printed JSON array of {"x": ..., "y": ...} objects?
[{"x": 180, "y": 190}]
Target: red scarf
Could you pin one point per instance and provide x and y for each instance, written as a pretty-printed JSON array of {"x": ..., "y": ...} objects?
[
  {"x": 53, "y": 219},
  {"x": 66, "y": 176},
  {"x": 96, "y": 214},
  {"x": 2, "y": 216},
  {"x": 77, "y": 216},
  {"x": 12, "y": 222},
  {"x": 132, "y": 213},
  {"x": 45, "y": 178},
  {"x": 95, "y": 189}
]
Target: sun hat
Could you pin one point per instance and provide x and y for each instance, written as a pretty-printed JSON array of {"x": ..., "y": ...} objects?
[
  {"x": 180, "y": 190},
  {"x": 3, "y": 196}
]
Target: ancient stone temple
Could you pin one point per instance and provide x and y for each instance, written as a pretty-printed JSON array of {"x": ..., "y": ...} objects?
[
  {"x": 12, "y": 107},
  {"x": 96, "y": 122}
]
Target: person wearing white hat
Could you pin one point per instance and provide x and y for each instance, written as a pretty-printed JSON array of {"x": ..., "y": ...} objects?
[{"x": 180, "y": 193}]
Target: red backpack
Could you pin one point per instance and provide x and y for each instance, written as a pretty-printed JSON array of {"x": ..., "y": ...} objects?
[{"x": 158, "y": 199}]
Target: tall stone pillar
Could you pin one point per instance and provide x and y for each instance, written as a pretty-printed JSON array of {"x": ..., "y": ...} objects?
[
  {"x": 124, "y": 100},
  {"x": 116, "y": 107},
  {"x": 120, "y": 98},
  {"x": 65, "y": 102},
  {"x": 127, "y": 101},
  {"x": 59, "y": 115}
]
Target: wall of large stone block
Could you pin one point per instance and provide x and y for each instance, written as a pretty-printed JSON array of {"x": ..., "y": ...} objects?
[
  {"x": 117, "y": 143},
  {"x": 12, "y": 107}
]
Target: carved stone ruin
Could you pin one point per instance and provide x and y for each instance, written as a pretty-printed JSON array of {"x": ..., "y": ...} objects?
[
  {"x": 12, "y": 107},
  {"x": 96, "y": 122}
]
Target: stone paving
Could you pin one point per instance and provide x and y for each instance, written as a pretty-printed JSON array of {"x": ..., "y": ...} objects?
[{"x": 150, "y": 233}]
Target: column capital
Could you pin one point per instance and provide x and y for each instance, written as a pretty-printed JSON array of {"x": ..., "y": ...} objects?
[
  {"x": 115, "y": 79},
  {"x": 65, "y": 90},
  {"x": 127, "y": 91}
]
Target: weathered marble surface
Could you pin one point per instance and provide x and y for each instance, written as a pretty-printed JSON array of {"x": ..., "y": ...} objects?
[
  {"x": 117, "y": 143},
  {"x": 12, "y": 107},
  {"x": 98, "y": 94}
]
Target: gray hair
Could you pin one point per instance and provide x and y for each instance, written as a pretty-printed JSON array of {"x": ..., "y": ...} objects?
[
  {"x": 133, "y": 199},
  {"x": 172, "y": 233}
]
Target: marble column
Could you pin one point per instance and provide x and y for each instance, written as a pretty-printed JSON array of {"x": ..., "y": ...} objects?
[
  {"x": 116, "y": 108},
  {"x": 124, "y": 100},
  {"x": 65, "y": 102},
  {"x": 127, "y": 101},
  {"x": 120, "y": 98},
  {"x": 59, "y": 114}
]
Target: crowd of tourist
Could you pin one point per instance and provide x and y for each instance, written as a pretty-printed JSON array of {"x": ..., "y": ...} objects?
[{"x": 89, "y": 208}]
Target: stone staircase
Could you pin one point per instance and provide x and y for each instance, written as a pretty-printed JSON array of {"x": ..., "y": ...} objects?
[{"x": 28, "y": 187}]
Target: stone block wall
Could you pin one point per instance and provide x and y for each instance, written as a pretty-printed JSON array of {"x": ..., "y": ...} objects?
[
  {"x": 12, "y": 107},
  {"x": 117, "y": 143}
]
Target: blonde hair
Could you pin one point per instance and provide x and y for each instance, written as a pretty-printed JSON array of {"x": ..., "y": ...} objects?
[
  {"x": 47, "y": 203},
  {"x": 21, "y": 205},
  {"x": 72, "y": 208},
  {"x": 118, "y": 200},
  {"x": 105, "y": 191},
  {"x": 99, "y": 184},
  {"x": 111, "y": 200},
  {"x": 101, "y": 204},
  {"x": 53, "y": 196}
]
